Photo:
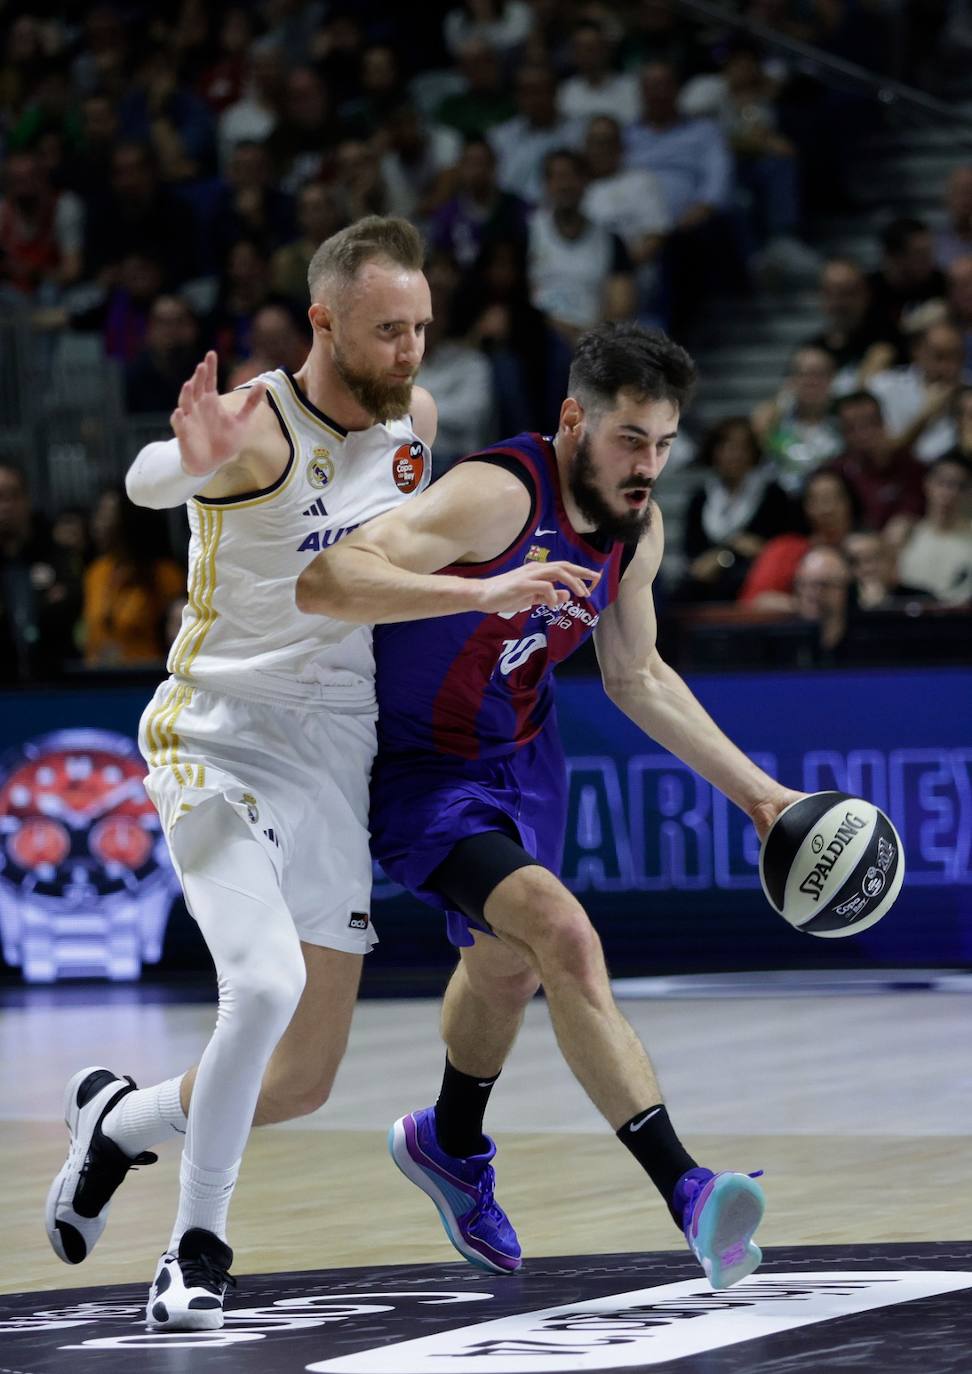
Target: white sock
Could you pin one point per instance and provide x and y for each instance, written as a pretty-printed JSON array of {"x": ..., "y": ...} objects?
[
  {"x": 204, "y": 1200},
  {"x": 146, "y": 1117}
]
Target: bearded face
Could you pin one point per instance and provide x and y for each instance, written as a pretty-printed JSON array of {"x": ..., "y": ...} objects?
[
  {"x": 381, "y": 396},
  {"x": 606, "y": 505}
]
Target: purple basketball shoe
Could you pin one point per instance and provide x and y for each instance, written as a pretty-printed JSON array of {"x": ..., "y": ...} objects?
[
  {"x": 462, "y": 1190},
  {"x": 720, "y": 1212}
]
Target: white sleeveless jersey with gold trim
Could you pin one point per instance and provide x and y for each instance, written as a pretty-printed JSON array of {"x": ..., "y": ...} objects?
[{"x": 241, "y": 631}]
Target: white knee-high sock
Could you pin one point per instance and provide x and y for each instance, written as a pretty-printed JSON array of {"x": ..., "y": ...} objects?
[
  {"x": 232, "y": 890},
  {"x": 147, "y": 1117}
]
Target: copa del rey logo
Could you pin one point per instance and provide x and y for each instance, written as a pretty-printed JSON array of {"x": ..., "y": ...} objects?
[{"x": 408, "y": 465}]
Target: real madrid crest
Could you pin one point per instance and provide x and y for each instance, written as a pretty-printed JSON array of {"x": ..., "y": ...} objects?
[{"x": 320, "y": 468}]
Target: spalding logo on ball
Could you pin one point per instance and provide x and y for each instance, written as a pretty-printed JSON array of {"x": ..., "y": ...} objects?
[{"x": 831, "y": 864}]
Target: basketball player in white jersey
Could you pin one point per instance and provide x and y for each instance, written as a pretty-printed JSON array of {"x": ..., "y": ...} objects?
[{"x": 259, "y": 748}]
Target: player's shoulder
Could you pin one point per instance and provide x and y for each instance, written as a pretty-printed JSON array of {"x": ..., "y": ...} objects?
[{"x": 425, "y": 415}]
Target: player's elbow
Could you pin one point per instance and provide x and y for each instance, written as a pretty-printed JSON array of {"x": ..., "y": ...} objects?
[
  {"x": 626, "y": 684},
  {"x": 320, "y": 591}
]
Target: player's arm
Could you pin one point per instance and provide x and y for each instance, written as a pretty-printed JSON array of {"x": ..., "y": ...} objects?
[
  {"x": 223, "y": 446},
  {"x": 652, "y": 694},
  {"x": 385, "y": 572}
]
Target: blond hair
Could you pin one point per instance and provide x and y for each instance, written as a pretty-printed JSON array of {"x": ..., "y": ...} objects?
[{"x": 375, "y": 238}]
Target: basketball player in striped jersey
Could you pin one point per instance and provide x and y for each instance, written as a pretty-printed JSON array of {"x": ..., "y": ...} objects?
[{"x": 468, "y": 798}]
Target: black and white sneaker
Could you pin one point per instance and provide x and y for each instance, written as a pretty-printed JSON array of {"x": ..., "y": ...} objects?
[
  {"x": 188, "y": 1288},
  {"x": 79, "y": 1197}
]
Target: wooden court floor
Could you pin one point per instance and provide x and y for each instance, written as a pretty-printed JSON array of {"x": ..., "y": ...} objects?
[{"x": 859, "y": 1108}]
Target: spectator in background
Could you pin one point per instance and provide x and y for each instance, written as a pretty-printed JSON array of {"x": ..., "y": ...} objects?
[
  {"x": 335, "y": 51},
  {"x": 628, "y": 202},
  {"x": 103, "y": 56},
  {"x": 854, "y": 334},
  {"x": 917, "y": 399},
  {"x": 24, "y": 56},
  {"x": 124, "y": 316},
  {"x": 484, "y": 101},
  {"x": 318, "y": 217},
  {"x": 478, "y": 212},
  {"x": 959, "y": 276},
  {"x": 873, "y": 562},
  {"x": 596, "y": 88},
  {"x": 305, "y": 133},
  {"x": 253, "y": 117},
  {"x": 41, "y": 232},
  {"x": 139, "y": 216},
  {"x": 730, "y": 517},
  {"x": 579, "y": 273},
  {"x": 494, "y": 313},
  {"x": 153, "y": 378},
  {"x": 359, "y": 184},
  {"x": 522, "y": 143},
  {"x": 280, "y": 336},
  {"x": 830, "y": 511},
  {"x": 888, "y": 480},
  {"x": 417, "y": 156},
  {"x": 955, "y": 239},
  {"x": 176, "y": 123},
  {"x": 40, "y": 593},
  {"x": 129, "y": 586},
  {"x": 222, "y": 81},
  {"x": 245, "y": 287},
  {"x": 504, "y": 24},
  {"x": 691, "y": 159},
  {"x": 253, "y": 205},
  {"x": 456, "y": 374},
  {"x": 822, "y": 595},
  {"x": 797, "y": 429},
  {"x": 937, "y": 554},
  {"x": 89, "y": 171},
  {"x": 742, "y": 101},
  {"x": 907, "y": 276},
  {"x": 380, "y": 88}
]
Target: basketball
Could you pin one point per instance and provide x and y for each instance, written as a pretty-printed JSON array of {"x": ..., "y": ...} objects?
[{"x": 831, "y": 864}]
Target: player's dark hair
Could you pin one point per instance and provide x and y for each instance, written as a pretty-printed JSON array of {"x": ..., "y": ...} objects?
[
  {"x": 624, "y": 356},
  {"x": 374, "y": 238}
]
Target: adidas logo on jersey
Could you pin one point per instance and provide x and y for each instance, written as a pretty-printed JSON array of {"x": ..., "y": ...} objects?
[{"x": 318, "y": 508}]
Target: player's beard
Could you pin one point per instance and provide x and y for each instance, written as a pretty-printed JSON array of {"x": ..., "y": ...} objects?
[
  {"x": 629, "y": 526},
  {"x": 384, "y": 399}
]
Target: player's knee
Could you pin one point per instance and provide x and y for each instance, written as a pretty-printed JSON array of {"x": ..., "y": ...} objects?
[
  {"x": 508, "y": 991},
  {"x": 569, "y": 946},
  {"x": 270, "y": 986}
]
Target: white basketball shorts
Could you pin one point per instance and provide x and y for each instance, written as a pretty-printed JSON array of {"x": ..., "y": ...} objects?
[{"x": 299, "y": 781}]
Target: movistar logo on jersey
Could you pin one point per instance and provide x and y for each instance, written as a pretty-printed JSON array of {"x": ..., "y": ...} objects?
[{"x": 323, "y": 539}]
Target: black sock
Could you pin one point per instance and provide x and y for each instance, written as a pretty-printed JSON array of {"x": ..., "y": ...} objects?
[
  {"x": 651, "y": 1138},
  {"x": 459, "y": 1112}
]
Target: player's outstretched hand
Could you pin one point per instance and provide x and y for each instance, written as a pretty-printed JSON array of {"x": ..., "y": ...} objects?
[
  {"x": 209, "y": 433},
  {"x": 537, "y": 584}
]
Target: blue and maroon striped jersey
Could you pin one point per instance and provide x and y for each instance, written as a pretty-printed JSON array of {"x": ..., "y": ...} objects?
[{"x": 477, "y": 686}]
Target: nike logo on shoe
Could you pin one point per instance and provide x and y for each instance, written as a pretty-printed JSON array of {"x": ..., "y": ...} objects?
[{"x": 637, "y": 1125}]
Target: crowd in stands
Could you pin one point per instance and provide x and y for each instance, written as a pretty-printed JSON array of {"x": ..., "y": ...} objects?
[{"x": 168, "y": 171}]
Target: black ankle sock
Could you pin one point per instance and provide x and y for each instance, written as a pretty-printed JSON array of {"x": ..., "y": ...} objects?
[
  {"x": 651, "y": 1138},
  {"x": 459, "y": 1112}
]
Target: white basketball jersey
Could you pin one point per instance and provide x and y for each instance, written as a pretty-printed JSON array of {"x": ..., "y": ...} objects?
[{"x": 241, "y": 631}]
